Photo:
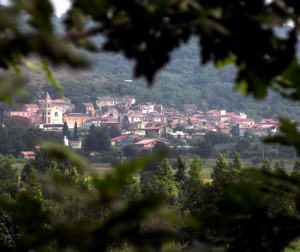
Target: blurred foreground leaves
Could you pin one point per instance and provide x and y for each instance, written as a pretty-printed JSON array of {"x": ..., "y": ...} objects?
[{"x": 238, "y": 211}]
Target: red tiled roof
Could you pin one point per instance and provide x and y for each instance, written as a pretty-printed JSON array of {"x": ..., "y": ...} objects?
[
  {"x": 27, "y": 153},
  {"x": 231, "y": 114},
  {"x": 58, "y": 101},
  {"x": 154, "y": 127},
  {"x": 31, "y": 105},
  {"x": 243, "y": 120},
  {"x": 87, "y": 104},
  {"x": 54, "y": 101},
  {"x": 146, "y": 141},
  {"x": 270, "y": 121},
  {"x": 77, "y": 115},
  {"x": 110, "y": 122},
  {"x": 246, "y": 126},
  {"x": 222, "y": 127},
  {"x": 119, "y": 138}
]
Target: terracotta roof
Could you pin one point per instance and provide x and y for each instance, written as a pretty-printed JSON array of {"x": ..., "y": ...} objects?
[
  {"x": 54, "y": 101},
  {"x": 31, "y": 105},
  {"x": 231, "y": 114},
  {"x": 242, "y": 120},
  {"x": 146, "y": 141},
  {"x": 58, "y": 101},
  {"x": 27, "y": 153},
  {"x": 119, "y": 138},
  {"x": 88, "y": 104},
  {"x": 246, "y": 126},
  {"x": 270, "y": 121},
  {"x": 77, "y": 115},
  {"x": 154, "y": 127},
  {"x": 111, "y": 122},
  {"x": 222, "y": 127},
  {"x": 195, "y": 119}
]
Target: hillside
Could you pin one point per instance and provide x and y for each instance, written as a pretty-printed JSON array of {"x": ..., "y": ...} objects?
[{"x": 182, "y": 81}]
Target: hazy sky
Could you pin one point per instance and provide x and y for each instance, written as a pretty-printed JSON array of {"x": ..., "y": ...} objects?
[{"x": 61, "y": 6}]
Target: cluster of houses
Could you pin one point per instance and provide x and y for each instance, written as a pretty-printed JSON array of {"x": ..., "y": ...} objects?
[{"x": 141, "y": 124}]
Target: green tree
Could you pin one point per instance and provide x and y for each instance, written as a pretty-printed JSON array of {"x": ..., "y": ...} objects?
[
  {"x": 129, "y": 151},
  {"x": 9, "y": 180},
  {"x": 220, "y": 167},
  {"x": 195, "y": 171},
  {"x": 75, "y": 133},
  {"x": 278, "y": 166},
  {"x": 217, "y": 138},
  {"x": 97, "y": 140},
  {"x": 43, "y": 162},
  {"x": 205, "y": 149},
  {"x": 243, "y": 146},
  {"x": 9, "y": 233},
  {"x": 18, "y": 122},
  {"x": 65, "y": 130},
  {"x": 31, "y": 182},
  {"x": 266, "y": 165},
  {"x": 161, "y": 147},
  {"x": 132, "y": 189},
  {"x": 237, "y": 163},
  {"x": 179, "y": 127},
  {"x": 163, "y": 181},
  {"x": 114, "y": 132},
  {"x": 125, "y": 123},
  {"x": 193, "y": 187},
  {"x": 180, "y": 175}
]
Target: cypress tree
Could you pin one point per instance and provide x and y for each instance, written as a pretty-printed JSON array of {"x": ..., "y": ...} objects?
[
  {"x": 181, "y": 171},
  {"x": 195, "y": 172},
  {"x": 193, "y": 187},
  {"x": 75, "y": 133},
  {"x": 237, "y": 163},
  {"x": 65, "y": 130}
]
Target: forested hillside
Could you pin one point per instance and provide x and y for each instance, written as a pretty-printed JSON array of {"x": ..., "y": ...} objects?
[{"x": 182, "y": 81}]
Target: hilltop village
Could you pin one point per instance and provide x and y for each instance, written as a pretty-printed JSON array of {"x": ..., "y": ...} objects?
[{"x": 143, "y": 123}]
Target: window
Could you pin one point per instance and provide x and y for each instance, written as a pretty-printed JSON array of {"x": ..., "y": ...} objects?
[
  {"x": 56, "y": 114},
  {"x": 49, "y": 113}
]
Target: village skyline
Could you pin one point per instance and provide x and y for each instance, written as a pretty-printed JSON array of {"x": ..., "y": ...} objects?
[{"x": 144, "y": 119}]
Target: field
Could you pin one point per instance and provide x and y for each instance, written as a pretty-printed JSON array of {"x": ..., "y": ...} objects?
[{"x": 101, "y": 169}]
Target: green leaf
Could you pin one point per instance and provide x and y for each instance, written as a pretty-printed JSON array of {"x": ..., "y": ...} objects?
[
  {"x": 220, "y": 63},
  {"x": 32, "y": 66},
  {"x": 288, "y": 136}
]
